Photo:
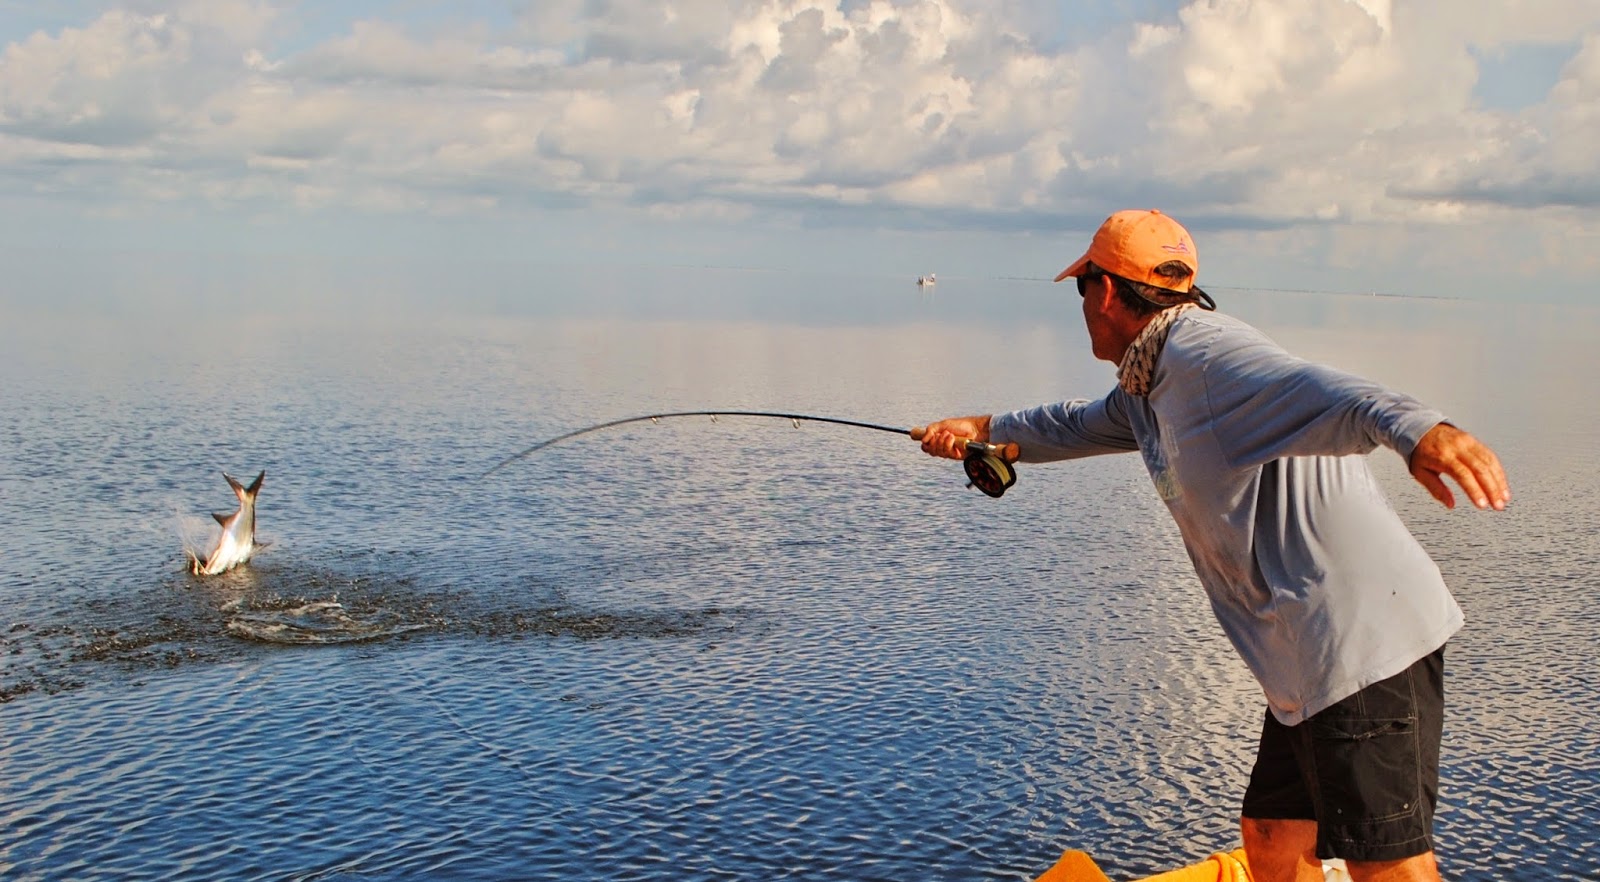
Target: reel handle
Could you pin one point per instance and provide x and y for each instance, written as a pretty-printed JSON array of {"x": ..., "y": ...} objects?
[{"x": 1005, "y": 452}]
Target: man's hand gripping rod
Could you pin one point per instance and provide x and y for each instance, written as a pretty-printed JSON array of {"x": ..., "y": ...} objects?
[{"x": 988, "y": 466}]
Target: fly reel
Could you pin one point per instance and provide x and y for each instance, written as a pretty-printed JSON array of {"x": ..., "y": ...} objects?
[{"x": 987, "y": 471}]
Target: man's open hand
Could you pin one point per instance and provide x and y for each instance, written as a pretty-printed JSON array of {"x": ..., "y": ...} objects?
[{"x": 1446, "y": 450}]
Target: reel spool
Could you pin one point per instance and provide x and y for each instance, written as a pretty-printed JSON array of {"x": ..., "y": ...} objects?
[{"x": 988, "y": 472}]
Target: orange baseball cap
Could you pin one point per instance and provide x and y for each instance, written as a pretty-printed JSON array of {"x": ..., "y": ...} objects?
[{"x": 1132, "y": 243}]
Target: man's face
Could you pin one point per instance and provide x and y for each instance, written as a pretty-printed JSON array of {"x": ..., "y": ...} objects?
[{"x": 1095, "y": 291}]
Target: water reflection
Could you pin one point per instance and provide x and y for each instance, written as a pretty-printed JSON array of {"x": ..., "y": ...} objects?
[{"x": 711, "y": 650}]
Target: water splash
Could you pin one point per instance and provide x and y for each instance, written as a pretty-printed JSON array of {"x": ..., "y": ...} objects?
[{"x": 319, "y": 622}]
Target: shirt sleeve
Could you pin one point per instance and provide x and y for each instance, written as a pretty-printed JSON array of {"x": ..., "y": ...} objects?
[
  {"x": 1067, "y": 430},
  {"x": 1266, "y": 404}
]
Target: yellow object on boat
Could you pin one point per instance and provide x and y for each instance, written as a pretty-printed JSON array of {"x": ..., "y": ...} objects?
[{"x": 1075, "y": 866}]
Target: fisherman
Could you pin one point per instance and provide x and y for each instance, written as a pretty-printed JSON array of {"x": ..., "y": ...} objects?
[{"x": 1334, "y": 606}]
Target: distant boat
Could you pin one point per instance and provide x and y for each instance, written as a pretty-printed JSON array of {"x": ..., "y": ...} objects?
[{"x": 926, "y": 280}]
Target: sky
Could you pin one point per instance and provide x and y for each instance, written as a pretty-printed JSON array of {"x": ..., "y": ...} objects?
[{"x": 156, "y": 150}]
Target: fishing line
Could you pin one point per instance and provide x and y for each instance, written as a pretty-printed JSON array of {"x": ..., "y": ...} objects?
[{"x": 988, "y": 466}]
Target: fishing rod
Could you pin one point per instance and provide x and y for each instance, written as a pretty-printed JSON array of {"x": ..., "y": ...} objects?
[{"x": 988, "y": 466}]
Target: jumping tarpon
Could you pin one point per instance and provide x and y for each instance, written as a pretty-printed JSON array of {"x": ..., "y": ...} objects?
[{"x": 238, "y": 539}]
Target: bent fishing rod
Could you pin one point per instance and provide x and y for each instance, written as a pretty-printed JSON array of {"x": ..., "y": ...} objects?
[{"x": 988, "y": 466}]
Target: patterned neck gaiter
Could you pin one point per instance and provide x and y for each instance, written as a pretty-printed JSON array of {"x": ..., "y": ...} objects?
[{"x": 1138, "y": 367}]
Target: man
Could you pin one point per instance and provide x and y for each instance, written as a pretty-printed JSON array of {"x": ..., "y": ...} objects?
[{"x": 1335, "y": 607}]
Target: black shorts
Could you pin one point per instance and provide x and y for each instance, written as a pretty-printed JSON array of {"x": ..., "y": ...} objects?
[{"x": 1366, "y": 769}]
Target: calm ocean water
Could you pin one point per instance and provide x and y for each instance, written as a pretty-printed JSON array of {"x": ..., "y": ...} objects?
[{"x": 696, "y": 650}]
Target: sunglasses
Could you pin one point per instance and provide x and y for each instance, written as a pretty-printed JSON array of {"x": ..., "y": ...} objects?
[{"x": 1084, "y": 280}]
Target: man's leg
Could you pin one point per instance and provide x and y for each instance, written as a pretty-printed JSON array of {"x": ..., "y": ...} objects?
[
  {"x": 1360, "y": 777},
  {"x": 1372, "y": 767},
  {"x": 1278, "y": 821},
  {"x": 1281, "y": 850},
  {"x": 1286, "y": 851}
]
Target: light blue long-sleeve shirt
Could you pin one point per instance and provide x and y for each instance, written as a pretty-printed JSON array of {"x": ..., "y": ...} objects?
[{"x": 1260, "y": 458}]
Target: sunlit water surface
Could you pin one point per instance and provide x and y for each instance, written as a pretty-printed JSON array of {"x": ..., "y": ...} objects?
[{"x": 696, "y": 650}]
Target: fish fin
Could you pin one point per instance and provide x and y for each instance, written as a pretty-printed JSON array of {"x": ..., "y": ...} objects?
[
  {"x": 223, "y": 519},
  {"x": 255, "y": 486},
  {"x": 233, "y": 482},
  {"x": 259, "y": 544}
]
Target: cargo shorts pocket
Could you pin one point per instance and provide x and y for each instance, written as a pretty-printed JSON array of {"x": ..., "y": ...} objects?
[{"x": 1368, "y": 768}]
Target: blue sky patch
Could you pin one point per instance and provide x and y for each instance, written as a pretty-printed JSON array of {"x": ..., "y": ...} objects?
[{"x": 1519, "y": 75}]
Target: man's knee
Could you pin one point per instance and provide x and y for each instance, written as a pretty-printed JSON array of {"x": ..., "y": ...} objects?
[
  {"x": 1281, "y": 849},
  {"x": 1280, "y": 832}
]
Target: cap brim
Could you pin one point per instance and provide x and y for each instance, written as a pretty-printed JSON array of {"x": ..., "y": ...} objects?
[{"x": 1074, "y": 270}]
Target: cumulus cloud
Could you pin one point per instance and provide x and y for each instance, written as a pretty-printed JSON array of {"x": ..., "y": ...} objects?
[
  {"x": 1234, "y": 112},
  {"x": 121, "y": 80},
  {"x": 1543, "y": 157}
]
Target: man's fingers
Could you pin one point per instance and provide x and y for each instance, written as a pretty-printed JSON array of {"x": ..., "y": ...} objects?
[
  {"x": 1478, "y": 472},
  {"x": 1436, "y": 487},
  {"x": 1494, "y": 479},
  {"x": 939, "y": 442},
  {"x": 1468, "y": 479}
]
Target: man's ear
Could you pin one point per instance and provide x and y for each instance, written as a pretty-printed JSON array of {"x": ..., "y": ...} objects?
[{"x": 1105, "y": 290}]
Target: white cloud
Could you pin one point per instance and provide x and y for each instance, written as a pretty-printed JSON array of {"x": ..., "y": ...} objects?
[
  {"x": 115, "y": 82},
  {"x": 784, "y": 101},
  {"x": 1241, "y": 113}
]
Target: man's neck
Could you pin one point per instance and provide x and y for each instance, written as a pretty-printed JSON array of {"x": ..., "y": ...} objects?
[{"x": 1127, "y": 330}]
